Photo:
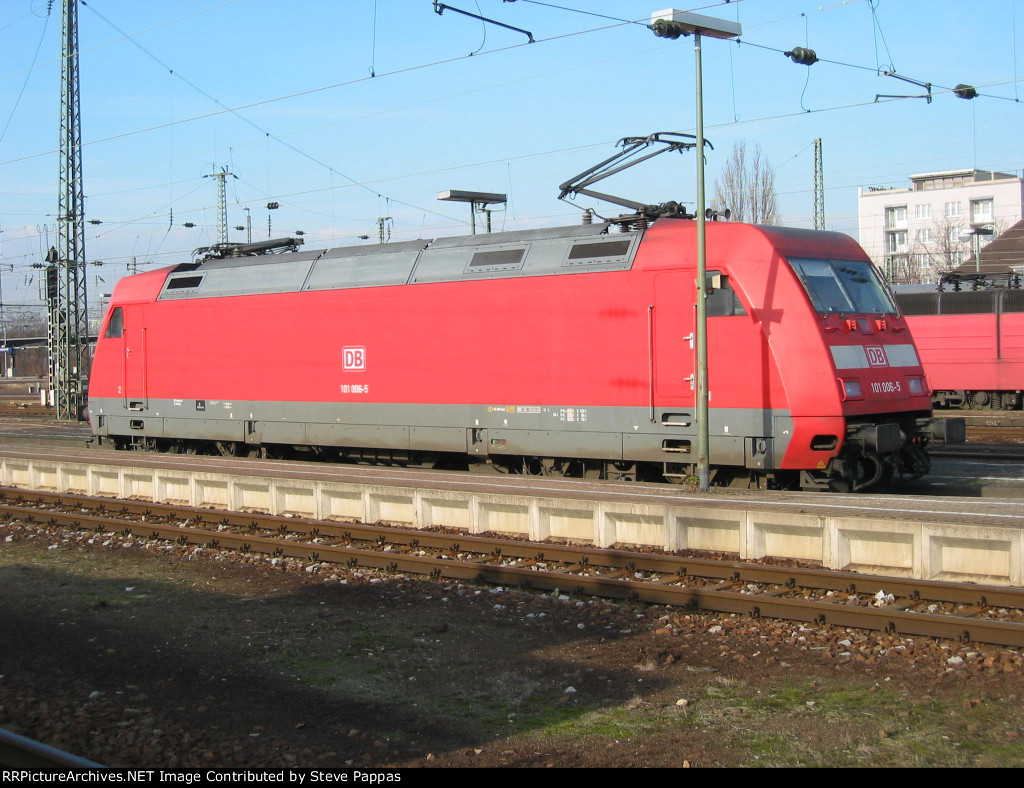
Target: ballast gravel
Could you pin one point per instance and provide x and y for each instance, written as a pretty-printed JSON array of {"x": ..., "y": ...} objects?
[{"x": 136, "y": 652}]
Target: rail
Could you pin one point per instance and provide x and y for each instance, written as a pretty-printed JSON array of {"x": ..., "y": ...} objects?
[{"x": 964, "y": 612}]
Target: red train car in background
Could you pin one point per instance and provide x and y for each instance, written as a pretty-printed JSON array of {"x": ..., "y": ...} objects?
[
  {"x": 971, "y": 341},
  {"x": 564, "y": 351}
]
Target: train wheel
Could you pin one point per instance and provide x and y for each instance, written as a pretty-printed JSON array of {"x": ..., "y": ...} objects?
[
  {"x": 860, "y": 473},
  {"x": 979, "y": 399},
  {"x": 226, "y": 448},
  {"x": 915, "y": 462},
  {"x": 621, "y": 471},
  {"x": 508, "y": 465},
  {"x": 839, "y": 485},
  {"x": 541, "y": 466}
]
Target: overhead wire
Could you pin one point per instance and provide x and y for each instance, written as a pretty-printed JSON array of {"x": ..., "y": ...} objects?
[
  {"x": 877, "y": 28},
  {"x": 818, "y": 10},
  {"x": 408, "y": 69},
  {"x": 416, "y": 104},
  {"x": 1013, "y": 27},
  {"x": 740, "y": 42},
  {"x": 807, "y": 80},
  {"x": 577, "y": 11},
  {"x": 373, "y": 42},
  {"x": 616, "y": 18},
  {"x": 397, "y": 71},
  {"x": 483, "y": 25},
  {"x": 115, "y": 40},
  {"x": 236, "y": 113},
  {"x": 306, "y": 92},
  {"x": 28, "y": 74}
]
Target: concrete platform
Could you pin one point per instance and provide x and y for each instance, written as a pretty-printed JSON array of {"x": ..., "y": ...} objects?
[{"x": 968, "y": 540}]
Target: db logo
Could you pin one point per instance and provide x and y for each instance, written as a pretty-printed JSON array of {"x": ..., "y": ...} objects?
[
  {"x": 876, "y": 357},
  {"x": 355, "y": 358}
]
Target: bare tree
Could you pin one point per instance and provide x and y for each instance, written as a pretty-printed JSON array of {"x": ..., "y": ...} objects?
[
  {"x": 747, "y": 187},
  {"x": 941, "y": 250}
]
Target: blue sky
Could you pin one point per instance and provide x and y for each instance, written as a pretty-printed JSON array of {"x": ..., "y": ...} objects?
[{"x": 349, "y": 111}]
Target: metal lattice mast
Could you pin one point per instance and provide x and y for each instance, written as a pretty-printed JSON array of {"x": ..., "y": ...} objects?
[
  {"x": 222, "y": 203},
  {"x": 68, "y": 323},
  {"x": 819, "y": 188}
]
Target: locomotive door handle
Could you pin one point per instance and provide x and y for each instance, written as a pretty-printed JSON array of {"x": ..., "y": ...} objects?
[{"x": 690, "y": 338}]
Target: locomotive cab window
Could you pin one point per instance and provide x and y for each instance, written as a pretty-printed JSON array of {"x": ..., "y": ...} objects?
[
  {"x": 722, "y": 300},
  {"x": 115, "y": 326},
  {"x": 844, "y": 286}
]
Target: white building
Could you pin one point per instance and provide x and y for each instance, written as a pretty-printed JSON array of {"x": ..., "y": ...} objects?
[{"x": 918, "y": 233}]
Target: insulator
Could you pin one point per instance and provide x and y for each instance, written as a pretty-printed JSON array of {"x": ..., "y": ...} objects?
[
  {"x": 588, "y": 216},
  {"x": 803, "y": 56},
  {"x": 666, "y": 28},
  {"x": 640, "y": 224}
]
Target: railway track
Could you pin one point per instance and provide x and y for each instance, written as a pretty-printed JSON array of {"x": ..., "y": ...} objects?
[
  {"x": 25, "y": 411},
  {"x": 962, "y": 612},
  {"x": 987, "y": 433},
  {"x": 992, "y": 453}
]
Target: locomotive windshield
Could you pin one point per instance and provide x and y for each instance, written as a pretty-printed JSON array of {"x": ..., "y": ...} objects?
[{"x": 844, "y": 286}]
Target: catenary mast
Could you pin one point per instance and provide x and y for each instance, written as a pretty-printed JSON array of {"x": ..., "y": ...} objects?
[{"x": 67, "y": 324}]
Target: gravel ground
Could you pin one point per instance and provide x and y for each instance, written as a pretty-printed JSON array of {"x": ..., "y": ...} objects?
[{"x": 134, "y": 652}]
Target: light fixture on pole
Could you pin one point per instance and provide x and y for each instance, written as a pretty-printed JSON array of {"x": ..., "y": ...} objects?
[
  {"x": 974, "y": 234},
  {"x": 671, "y": 23},
  {"x": 478, "y": 202}
]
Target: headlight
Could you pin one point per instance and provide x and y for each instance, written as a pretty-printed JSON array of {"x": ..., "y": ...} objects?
[
  {"x": 850, "y": 388},
  {"x": 916, "y": 385}
]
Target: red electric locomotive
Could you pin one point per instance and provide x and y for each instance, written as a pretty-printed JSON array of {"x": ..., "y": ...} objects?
[
  {"x": 565, "y": 351},
  {"x": 971, "y": 341}
]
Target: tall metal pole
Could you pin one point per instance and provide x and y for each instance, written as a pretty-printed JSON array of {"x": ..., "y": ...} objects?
[
  {"x": 3, "y": 317},
  {"x": 671, "y": 23},
  {"x": 703, "y": 452},
  {"x": 819, "y": 187},
  {"x": 222, "y": 204},
  {"x": 67, "y": 333}
]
